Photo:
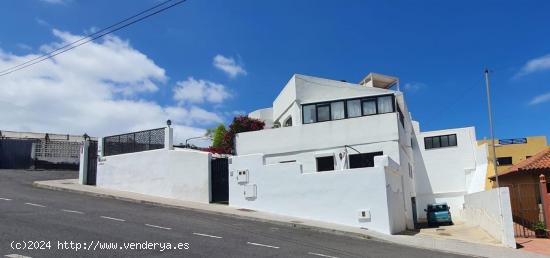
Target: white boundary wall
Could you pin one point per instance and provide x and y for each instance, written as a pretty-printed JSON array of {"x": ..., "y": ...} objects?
[
  {"x": 332, "y": 196},
  {"x": 482, "y": 209},
  {"x": 179, "y": 174}
]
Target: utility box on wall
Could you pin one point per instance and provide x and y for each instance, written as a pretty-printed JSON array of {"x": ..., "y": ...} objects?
[
  {"x": 250, "y": 191},
  {"x": 242, "y": 176},
  {"x": 364, "y": 215}
]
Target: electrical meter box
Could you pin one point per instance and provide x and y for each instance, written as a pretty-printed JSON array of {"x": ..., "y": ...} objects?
[{"x": 242, "y": 176}]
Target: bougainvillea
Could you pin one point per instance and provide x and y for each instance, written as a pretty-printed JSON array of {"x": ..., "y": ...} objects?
[{"x": 240, "y": 124}]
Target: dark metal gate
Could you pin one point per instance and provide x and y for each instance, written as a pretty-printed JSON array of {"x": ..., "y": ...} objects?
[
  {"x": 92, "y": 163},
  {"x": 16, "y": 154},
  {"x": 220, "y": 180},
  {"x": 526, "y": 208}
]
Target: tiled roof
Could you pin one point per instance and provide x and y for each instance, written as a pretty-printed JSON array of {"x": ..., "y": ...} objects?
[{"x": 538, "y": 162}]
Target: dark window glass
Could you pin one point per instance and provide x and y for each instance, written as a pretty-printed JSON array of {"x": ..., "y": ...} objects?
[
  {"x": 325, "y": 163},
  {"x": 323, "y": 112},
  {"x": 354, "y": 108},
  {"x": 310, "y": 114},
  {"x": 548, "y": 187},
  {"x": 428, "y": 143},
  {"x": 288, "y": 122},
  {"x": 502, "y": 161},
  {"x": 452, "y": 140},
  {"x": 369, "y": 107},
  {"x": 363, "y": 160},
  {"x": 436, "y": 143},
  {"x": 444, "y": 141}
]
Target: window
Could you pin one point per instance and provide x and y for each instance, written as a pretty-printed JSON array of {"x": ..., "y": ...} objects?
[
  {"x": 342, "y": 109},
  {"x": 288, "y": 122},
  {"x": 503, "y": 161},
  {"x": 369, "y": 107},
  {"x": 323, "y": 112},
  {"x": 354, "y": 108},
  {"x": 337, "y": 110},
  {"x": 310, "y": 115},
  {"x": 440, "y": 141},
  {"x": 385, "y": 104},
  {"x": 363, "y": 160},
  {"x": 325, "y": 163}
]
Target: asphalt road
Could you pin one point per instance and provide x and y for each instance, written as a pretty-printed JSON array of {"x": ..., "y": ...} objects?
[{"x": 49, "y": 220}]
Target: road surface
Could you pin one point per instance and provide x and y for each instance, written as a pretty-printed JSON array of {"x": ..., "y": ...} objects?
[{"x": 63, "y": 224}]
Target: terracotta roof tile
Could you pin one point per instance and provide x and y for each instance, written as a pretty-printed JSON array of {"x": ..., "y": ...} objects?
[{"x": 537, "y": 162}]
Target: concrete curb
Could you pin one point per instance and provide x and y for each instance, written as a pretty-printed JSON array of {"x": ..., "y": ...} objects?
[{"x": 423, "y": 242}]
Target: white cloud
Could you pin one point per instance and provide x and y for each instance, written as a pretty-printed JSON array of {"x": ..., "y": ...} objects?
[
  {"x": 200, "y": 91},
  {"x": 540, "y": 99},
  {"x": 228, "y": 65},
  {"x": 535, "y": 65},
  {"x": 99, "y": 88},
  {"x": 414, "y": 86}
]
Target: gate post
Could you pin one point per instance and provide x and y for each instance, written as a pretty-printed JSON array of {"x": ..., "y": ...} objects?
[
  {"x": 545, "y": 199},
  {"x": 168, "y": 138},
  {"x": 83, "y": 166}
]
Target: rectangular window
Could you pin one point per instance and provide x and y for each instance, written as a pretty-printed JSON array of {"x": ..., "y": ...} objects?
[
  {"x": 363, "y": 160},
  {"x": 385, "y": 104},
  {"x": 323, "y": 112},
  {"x": 310, "y": 115},
  {"x": 440, "y": 141},
  {"x": 341, "y": 109},
  {"x": 325, "y": 163},
  {"x": 369, "y": 107},
  {"x": 354, "y": 108},
  {"x": 337, "y": 110},
  {"x": 503, "y": 161}
]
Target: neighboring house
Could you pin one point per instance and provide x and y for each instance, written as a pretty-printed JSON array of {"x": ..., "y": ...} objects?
[
  {"x": 526, "y": 192},
  {"x": 511, "y": 152},
  {"x": 24, "y": 150},
  {"x": 350, "y": 154}
]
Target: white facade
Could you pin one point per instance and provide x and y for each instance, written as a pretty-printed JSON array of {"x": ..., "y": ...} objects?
[
  {"x": 296, "y": 147},
  {"x": 447, "y": 174},
  {"x": 283, "y": 164},
  {"x": 178, "y": 174}
]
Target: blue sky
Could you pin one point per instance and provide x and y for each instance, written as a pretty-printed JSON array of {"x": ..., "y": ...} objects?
[{"x": 438, "y": 49}]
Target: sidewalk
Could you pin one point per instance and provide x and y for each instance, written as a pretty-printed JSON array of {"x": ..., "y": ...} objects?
[{"x": 418, "y": 240}]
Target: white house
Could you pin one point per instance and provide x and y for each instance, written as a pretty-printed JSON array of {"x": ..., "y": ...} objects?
[{"x": 350, "y": 154}]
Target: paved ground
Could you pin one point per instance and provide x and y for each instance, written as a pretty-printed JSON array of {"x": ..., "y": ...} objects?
[
  {"x": 32, "y": 214},
  {"x": 535, "y": 245},
  {"x": 460, "y": 231}
]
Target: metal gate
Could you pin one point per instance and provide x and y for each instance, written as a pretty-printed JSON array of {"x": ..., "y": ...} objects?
[
  {"x": 92, "y": 163},
  {"x": 220, "y": 180},
  {"x": 526, "y": 208},
  {"x": 16, "y": 154}
]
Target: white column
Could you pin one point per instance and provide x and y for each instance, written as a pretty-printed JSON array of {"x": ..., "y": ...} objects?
[
  {"x": 169, "y": 138},
  {"x": 99, "y": 148},
  {"x": 83, "y": 169}
]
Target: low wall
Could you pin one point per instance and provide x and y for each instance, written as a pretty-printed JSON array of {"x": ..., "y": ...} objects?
[
  {"x": 177, "y": 174},
  {"x": 333, "y": 196},
  {"x": 482, "y": 209}
]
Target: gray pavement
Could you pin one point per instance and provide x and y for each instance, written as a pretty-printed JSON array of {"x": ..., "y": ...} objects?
[{"x": 33, "y": 214}]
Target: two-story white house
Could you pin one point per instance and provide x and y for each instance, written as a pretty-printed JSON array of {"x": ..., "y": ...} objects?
[{"x": 350, "y": 154}]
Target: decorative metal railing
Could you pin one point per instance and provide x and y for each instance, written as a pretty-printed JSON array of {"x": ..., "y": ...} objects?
[{"x": 134, "y": 142}]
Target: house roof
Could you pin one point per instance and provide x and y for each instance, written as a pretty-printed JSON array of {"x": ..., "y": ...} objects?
[{"x": 538, "y": 162}]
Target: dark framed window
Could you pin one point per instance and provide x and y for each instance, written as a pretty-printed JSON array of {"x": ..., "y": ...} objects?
[
  {"x": 325, "y": 163},
  {"x": 362, "y": 160},
  {"x": 337, "y": 110},
  {"x": 341, "y": 109},
  {"x": 354, "y": 108},
  {"x": 309, "y": 114},
  {"x": 440, "y": 141},
  {"x": 323, "y": 112},
  {"x": 503, "y": 161}
]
